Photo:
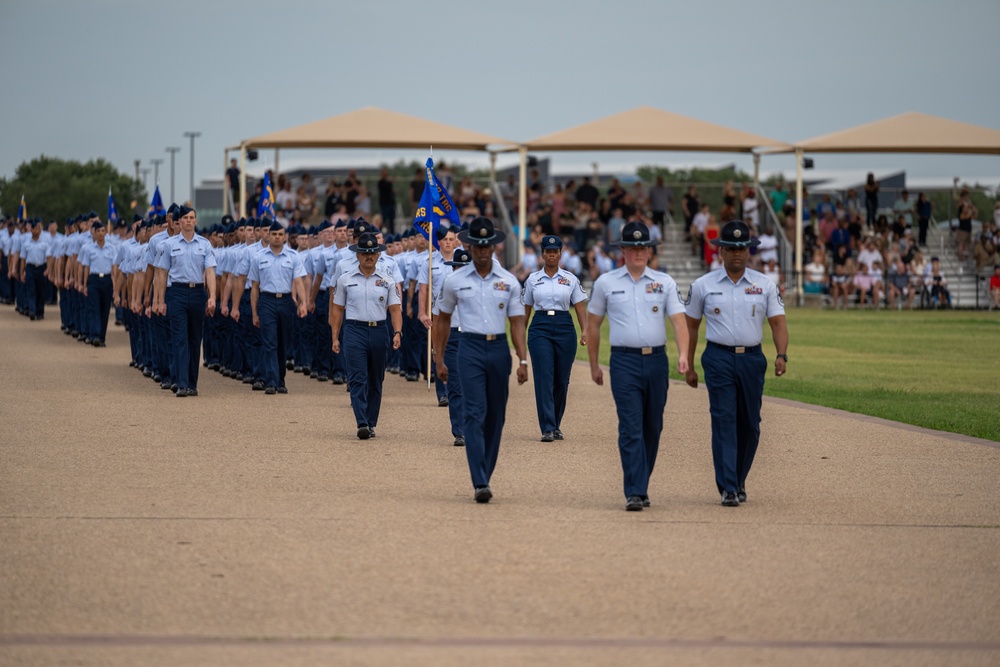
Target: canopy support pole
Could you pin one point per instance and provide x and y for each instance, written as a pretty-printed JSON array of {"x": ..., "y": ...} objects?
[
  {"x": 225, "y": 183},
  {"x": 243, "y": 180},
  {"x": 276, "y": 171},
  {"x": 522, "y": 201},
  {"x": 493, "y": 167},
  {"x": 756, "y": 172},
  {"x": 798, "y": 226}
]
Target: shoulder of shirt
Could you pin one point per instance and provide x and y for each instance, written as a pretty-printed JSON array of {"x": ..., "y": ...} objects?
[{"x": 501, "y": 272}]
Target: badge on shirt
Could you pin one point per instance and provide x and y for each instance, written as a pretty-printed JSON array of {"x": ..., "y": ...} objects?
[
  {"x": 562, "y": 281},
  {"x": 686, "y": 301},
  {"x": 501, "y": 286},
  {"x": 501, "y": 305},
  {"x": 654, "y": 288},
  {"x": 753, "y": 289},
  {"x": 717, "y": 311},
  {"x": 381, "y": 283},
  {"x": 381, "y": 299},
  {"x": 656, "y": 309},
  {"x": 781, "y": 301}
]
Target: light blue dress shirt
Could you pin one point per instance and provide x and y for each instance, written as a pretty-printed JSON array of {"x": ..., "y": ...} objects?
[
  {"x": 276, "y": 273},
  {"x": 35, "y": 252},
  {"x": 185, "y": 261},
  {"x": 483, "y": 304},
  {"x": 734, "y": 312},
  {"x": 366, "y": 299},
  {"x": 559, "y": 292},
  {"x": 100, "y": 260},
  {"x": 636, "y": 309}
]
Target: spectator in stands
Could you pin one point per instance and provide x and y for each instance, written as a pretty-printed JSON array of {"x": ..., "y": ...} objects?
[
  {"x": 995, "y": 288},
  {"x": 937, "y": 285},
  {"x": 869, "y": 254},
  {"x": 697, "y": 230},
  {"x": 864, "y": 283},
  {"x": 655, "y": 235},
  {"x": 570, "y": 260},
  {"x": 856, "y": 230},
  {"x": 827, "y": 226},
  {"x": 967, "y": 211},
  {"x": 528, "y": 264},
  {"x": 254, "y": 199},
  {"x": 898, "y": 285},
  {"x": 304, "y": 202},
  {"x": 387, "y": 201},
  {"x": 871, "y": 199},
  {"x": 904, "y": 207},
  {"x": 691, "y": 206},
  {"x": 233, "y": 176},
  {"x": 773, "y": 273},
  {"x": 899, "y": 227},
  {"x": 333, "y": 199},
  {"x": 815, "y": 278},
  {"x": 825, "y": 206},
  {"x": 768, "y": 248},
  {"x": 923, "y": 207},
  {"x": 751, "y": 216},
  {"x": 557, "y": 201},
  {"x": 985, "y": 252},
  {"x": 363, "y": 203},
  {"x": 599, "y": 261},
  {"x": 711, "y": 232},
  {"x": 841, "y": 236},
  {"x": 727, "y": 213},
  {"x": 285, "y": 197},
  {"x": 779, "y": 197},
  {"x": 616, "y": 193},
  {"x": 852, "y": 204},
  {"x": 660, "y": 201},
  {"x": 615, "y": 225},
  {"x": 587, "y": 194},
  {"x": 841, "y": 285},
  {"x": 639, "y": 197},
  {"x": 417, "y": 190},
  {"x": 307, "y": 183}
]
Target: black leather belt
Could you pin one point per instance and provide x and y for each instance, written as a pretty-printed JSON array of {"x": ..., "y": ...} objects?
[
  {"x": 738, "y": 349},
  {"x": 645, "y": 351},
  {"x": 486, "y": 337},
  {"x": 363, "y": 323},
  {"x": 277, "y": 295},
  {"x": 189, "y": 285}
]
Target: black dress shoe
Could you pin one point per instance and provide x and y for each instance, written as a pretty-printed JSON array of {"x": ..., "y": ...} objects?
[
  {"x": 213, "y": 366},
  {"x": 101, "y": 344},
  {"x": 339, "y": 379},
  {"x": 322, "y": 378},
  {"x": 282, "y": 390},
  {"x": 226, "y": 373},
  {"x": 156, "y": 377},
  {"x": 483, "y": 494},
  {"x": 297, "y": 369},
  {"x": 443, "y": 402},
  {"x": 147, "y": 373},
  {"x": 633, "y": 504},
  {"x": 729, "y": 499},
  {"x": 182, "y": 393},
  {"x": 371, "y": 431},
  {"x": 741, "y": 495},
  {"x": 313, "y": 375},
  {"x": 258, "y": 386},
  {"x": 192, "y": 392},
  {"x": 364, "y": 433},
  {"x": 31, "y": 317},
  {"x": 548, "y": 436},
  {"x": 289, "y": 365},
  {"x": 270, "y": 391},
  {"x": 459, "y": 441},
  {"x": 164, "y": 385},
  {"x": 118, "y": 323},
  {"x": 238, "y": 377},
  {"x": 558, "y": 434},
  {"x": 412, "y": 377},
  {"x": 247, "y": 379},
  {"x": 307, "y": 371},
  {"x": 645, "y": 501},
  {"x": 174, "y": 388}
]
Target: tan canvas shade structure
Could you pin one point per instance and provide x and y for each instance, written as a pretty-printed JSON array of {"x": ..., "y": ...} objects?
[
  {"x": 643, "y": 129},
  {"x": 906, "y": 133},
  {"x": 369, "y": 127}
]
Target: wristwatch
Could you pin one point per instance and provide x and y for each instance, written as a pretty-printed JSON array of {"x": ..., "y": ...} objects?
[
  {"x": 782, "y": 356},
  {"x": 397, "y": 333},
  {"x": 524, "y": 362}
]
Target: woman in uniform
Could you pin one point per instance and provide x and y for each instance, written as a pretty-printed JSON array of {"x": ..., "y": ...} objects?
[{"x": 552, "y": 291}]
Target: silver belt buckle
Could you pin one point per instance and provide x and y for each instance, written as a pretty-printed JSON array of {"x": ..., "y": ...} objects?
[
  {"x": 647, "y": 350},
  {"x": 491, "y": 336},
  {"x": 100, "y": 275},
  {"x": 372, "y": 324},
  {"x": 191, "y": 285},
  {"x": 459, "y": 329},
  {"x": 278, "y": 296},
  {"x": 739, "y": 350},
  {"x": 550, "y": 312}
]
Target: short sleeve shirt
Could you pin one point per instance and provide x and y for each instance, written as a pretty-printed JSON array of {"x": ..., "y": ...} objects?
[
  {"x": 734, "y": 312},
  {"x": 636, "y": 309},
  {"x": 483, "y": 304},
  {"x": 558, "y": 292}
]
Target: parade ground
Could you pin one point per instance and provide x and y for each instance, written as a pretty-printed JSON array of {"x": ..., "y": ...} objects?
[{"x": 235, "y": 528}]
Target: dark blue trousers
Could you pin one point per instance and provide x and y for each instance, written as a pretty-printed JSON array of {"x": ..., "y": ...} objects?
[
  {"x": 4, "y": 280},
  {"x": 162, "y": 346},
  {"x": 552, "y": 345},
  {"x": 484, "y": 371},
  {"x": 276, "y": 322},
  {"x": 639, "y": 386},
  {"x": 134, "y": 333},
  {"x": 36, "y": 289},
  {"x": 186, "y": 314},
  {"x": 322, "y": 362},
  {"x": 365, "y": 351},
  {"x": 251, "y": 339},
  {"x": 98, "y": 306},
  {"x": 305, "y": 344},
  {"x": 77, "y": 311},
  {"x": 64, "y": 307},
  {"x": 456, "y": 405},
  {"x": 735, "y": 385}
]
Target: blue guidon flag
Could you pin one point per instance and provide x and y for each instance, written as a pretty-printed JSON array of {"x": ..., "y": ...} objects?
[
  {"x": 112, "y": 210},
  {"x": 22, "y": 210},
  {"x": 156, "y": 205},
  {"x": 435, "y": 204},
  {"x": 265, "y": 207}
]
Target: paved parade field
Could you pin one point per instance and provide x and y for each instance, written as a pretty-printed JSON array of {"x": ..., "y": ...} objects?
[{"x": 241, "y": 529}]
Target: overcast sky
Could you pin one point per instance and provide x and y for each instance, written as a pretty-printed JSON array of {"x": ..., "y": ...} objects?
[{"x": 125, "y": 79}]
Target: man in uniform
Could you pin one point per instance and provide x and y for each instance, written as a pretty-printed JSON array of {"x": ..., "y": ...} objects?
[
  {"x": 33, "y": 265},
  {"x": 447, "y": 242},
  {"x": 735, "y": 301},
  {"x": 97, "y": 260},
  {"x": 276, "y": 276},
  {"x": 485, "y": 296},
  {"x": 187, "y": 264},
  {"x": 456, "y": 406},
  {"x": 361, "y": 298},
  {"x": 636, "y": 299}
]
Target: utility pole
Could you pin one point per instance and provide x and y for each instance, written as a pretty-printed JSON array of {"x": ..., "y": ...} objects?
[
  {"x": 137, "y": 163},
  {"x": 173, "y": 152},
  {"x": 156, "y": 169},
  {"x": 192, "y": 136},
  {"x": 145, "y": 178}
]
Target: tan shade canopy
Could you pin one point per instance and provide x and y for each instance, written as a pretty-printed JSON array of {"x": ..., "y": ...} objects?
[
  {"x": 650, "y": 129},
  {"x": 908, "y": 133},
  {"x": 376, "y": 128}
]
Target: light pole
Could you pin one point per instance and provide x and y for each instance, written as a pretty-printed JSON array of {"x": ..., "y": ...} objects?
[
  {"x": 173, "y": 152},
  {"x": 156, "y": 169},
  {"x": 145, "y": 178},
  {"x": 137, "y": 163},
  {"x": 192, "y": 136}
]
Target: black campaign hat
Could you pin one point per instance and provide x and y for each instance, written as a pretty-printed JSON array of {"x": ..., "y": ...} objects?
[
  {"x": 736, "y": 234},
  {"x": 460, "y": 258},
  {"x": 362, "y": 226},
  {"x": 481, "y": 233},
  {"x": 636, "y": 235},
  {"x": 367, "y": 243}
]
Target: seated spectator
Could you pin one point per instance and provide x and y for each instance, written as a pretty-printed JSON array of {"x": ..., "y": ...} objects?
[
  {"x": 937, "y": 285},
  {"x": 697, "y": 230},
  {"x": 904, "y": 207},
  {"x": 363, "y": 203},
  {"x": 995, "y": 288},
  {"x": 751, "y": 214},
  {"x": 825, "y": 207},
  {"x": 815, "y": 275},
  {"x": 841, "y": 236},
  {"x": 841, "y": 280},
  {"x": 899, "y": 228},
  {"x": 878, "y": 284},
  {"x": 711, "y": 232},
  {"x": 285, "y": 197},
  {"x": 599, "y": 261},
  {"x": 828, "y": 225},
  {"x": 855, "y": 228},
  {"x": 773, "y": 273},
  {"x": 869, "y": 255},
  {"x": 615, "y": 225},
  {"x": 917, "y": 267},
  {"x": 984, "y": 252},
  {"x": 898, "y": 285},
  {"x": 864, "y": 283},
  {"x": 655, "y": 234}
]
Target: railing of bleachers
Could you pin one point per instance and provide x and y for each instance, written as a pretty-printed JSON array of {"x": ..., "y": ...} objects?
[{"x": 786, "y": 250}]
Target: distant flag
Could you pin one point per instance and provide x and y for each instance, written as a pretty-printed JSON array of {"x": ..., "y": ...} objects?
[
  {"x": 112, "y": 211},
  {"x": 22, "y": 210},
  {"x": 265, "y": 206},
  {"x": 156, "y": 206},
  {"x": 435, "y": 204}
]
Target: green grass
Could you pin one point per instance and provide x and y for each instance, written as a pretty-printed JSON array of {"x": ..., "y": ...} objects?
[{"x": 939, "y": 370}]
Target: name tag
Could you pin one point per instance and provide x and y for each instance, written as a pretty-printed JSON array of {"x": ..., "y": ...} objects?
[{"x": 174, "y": 252}]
